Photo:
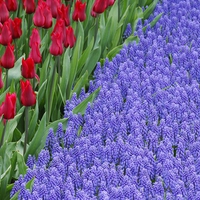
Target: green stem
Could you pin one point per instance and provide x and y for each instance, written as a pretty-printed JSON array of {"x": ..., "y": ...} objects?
[
  {"x": 3, "y": 134},
  {"x": 16, "y": 55},
  {"x": 6, "y": 78},
  {"x": 96, "y": 28},
  {"x": 51, "y": 90},
  {"x": 118, "y": 10},
  {"x": 59, "y": 69},
  {"x": 26, "y": 128}
]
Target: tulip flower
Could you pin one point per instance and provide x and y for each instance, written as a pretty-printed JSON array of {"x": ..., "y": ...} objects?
[
  {"x": 28, "y": 96},
  {"x": 35, "y": 53},
  {"x": 8, "y": 107},
  {"x": 55, "y": 4},
  {"x": 15, "y": 27},
  {"x": 4, "y": 13},
  {"x": 99, "y": 6},
  {"x": 63, "y": 13},
  {"x": 38, "y": 17},
  {"x": 47, "y": 15},
  {"x": 35, "y": 37},
  {"x": 70, "y": 37},
  {"x": 29, "y": 6},
  {"x": 79, "y": 11},
  {"x": 8, "y": 58},
  {"x": 59, "y": 28},
  {"x": 1, "y": 80},
  {"x": 11, "y": 5},
  {"x": 56, "y": 47},
  {"x": 6, "y": 34},
  {"x": 111, "y": 2},
  {"x": 28, "y": 68}
]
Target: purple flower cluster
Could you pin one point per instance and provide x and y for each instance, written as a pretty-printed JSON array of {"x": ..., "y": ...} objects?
[{"x": 140, "y": 139}]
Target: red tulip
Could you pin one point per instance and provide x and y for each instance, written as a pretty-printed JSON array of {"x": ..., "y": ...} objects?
[
  {"x": 15, "y": 27},
  {"x": 4, "y": 13},
  {"x": 1, "y": 80},
  {"x": 35, "y": 37},
  {"x": 11, "y": 5},
  {"x": 8, "y": 107},
  {"x": 47, "y": 15},
  {"x": 8, "y": 58},
  {"x": 55, "y": 4},
  {"x": 99, "y": 6},
  {"x": 28, "y": 96},
  {"x": 70, "y": 37},
  {"x": 56, "y": 47},
  {"x": 28, "y": 68},
  {"x": 111, "y": 2},
  {"x": 29, "y": 6},
  {"x": 93, "y": 14},
  {"x": 59, "y": 28},
  {"x": 79, "y": 11},
  {"x": 35, "y": 53},
  {"x": 38, "y": 17},
  {"x": 63, "y": 13},
  {"x": 6, "y": 34}
]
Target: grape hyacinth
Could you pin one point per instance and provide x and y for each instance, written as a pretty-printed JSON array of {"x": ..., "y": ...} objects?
[{"x": 140, "y": 138}]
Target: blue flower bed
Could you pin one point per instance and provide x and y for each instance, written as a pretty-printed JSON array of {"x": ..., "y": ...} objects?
[{"x": 140, "y": 139}]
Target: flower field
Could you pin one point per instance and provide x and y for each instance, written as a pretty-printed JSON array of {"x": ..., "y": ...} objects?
[{"x": 132, "y": 131}]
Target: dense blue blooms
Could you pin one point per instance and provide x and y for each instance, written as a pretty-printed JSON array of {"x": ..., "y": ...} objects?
[{"x": 140, "y": 138}]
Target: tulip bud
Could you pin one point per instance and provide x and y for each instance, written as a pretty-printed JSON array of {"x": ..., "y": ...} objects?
[
  {"x": 1, "y": 80},
  {"x": 4, "y": 13},
  {"x": 56, "y": 47},
  {"x": 29, "y": 6},
  {"x": 8, "y": 107},
  {"x": 79, "y": 11},
  {"x": 59, "y": 28},
  {"x": 15, "y": 27},
  {"x": 38, "y": 17},
  {"x": 63, "y": 13},
  {"x": 70, "y": 37},
  {"x": 35, "y": 53},
  {"x": 28, "y": 96},
  {"x": 28, "y": 68},
  {"x": 55, "y": 4},
  {"x": 35, "y": 37},
  {"x": 11, "y": 5},
  {"x": 99, "y": 6},
  {"x": 8, "y": 58},
  {"x": 6, "y": 34}
]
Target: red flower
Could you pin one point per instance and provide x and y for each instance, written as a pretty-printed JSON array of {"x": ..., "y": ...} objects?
[
  {"x": 6, "y": 34},
  {"x": 15, "y": 27},
  {"x": 8, "y": 58},
  {"x": 59, "y": 28},
  {"x": 28, "y": 96},
  {"x": 11, "y": 5},
  {"x": 55, "y": 4},
  {"x": 47, "y": 15},
  {"x": 93, "y": 14},
  {"x": 56, "y": 47},
  {"x": 63, "y": 13},
  {"x": 8, "y": 107},
  {"x": 1, "y": 81},
  {"x": 70, "y": 37},
  {"x": 35, "y": 37},
  {"x": 111, "y": 2},
  {"x": 99, "y": 6},
  {"x": 28, "y": 68},
  {"x": 79, "y": 11},
  {"x": 35, "y": 53},
  {"x": 29, "y": 6},
  {"x": 4, "y": 13},
  {"x": 38, "y": 17}
]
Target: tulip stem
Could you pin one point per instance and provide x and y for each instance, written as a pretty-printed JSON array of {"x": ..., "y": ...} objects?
[
  {"x": 59, "y": 69},
  {"x": 26, "y": 128},
  {"x": 6, "y": 78},
  {"x": 51, "y": 89},
  {"x": 3, "y": 134},
  {"x": 96, "y": 28},
  {"x": 118, "y": 10}
]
